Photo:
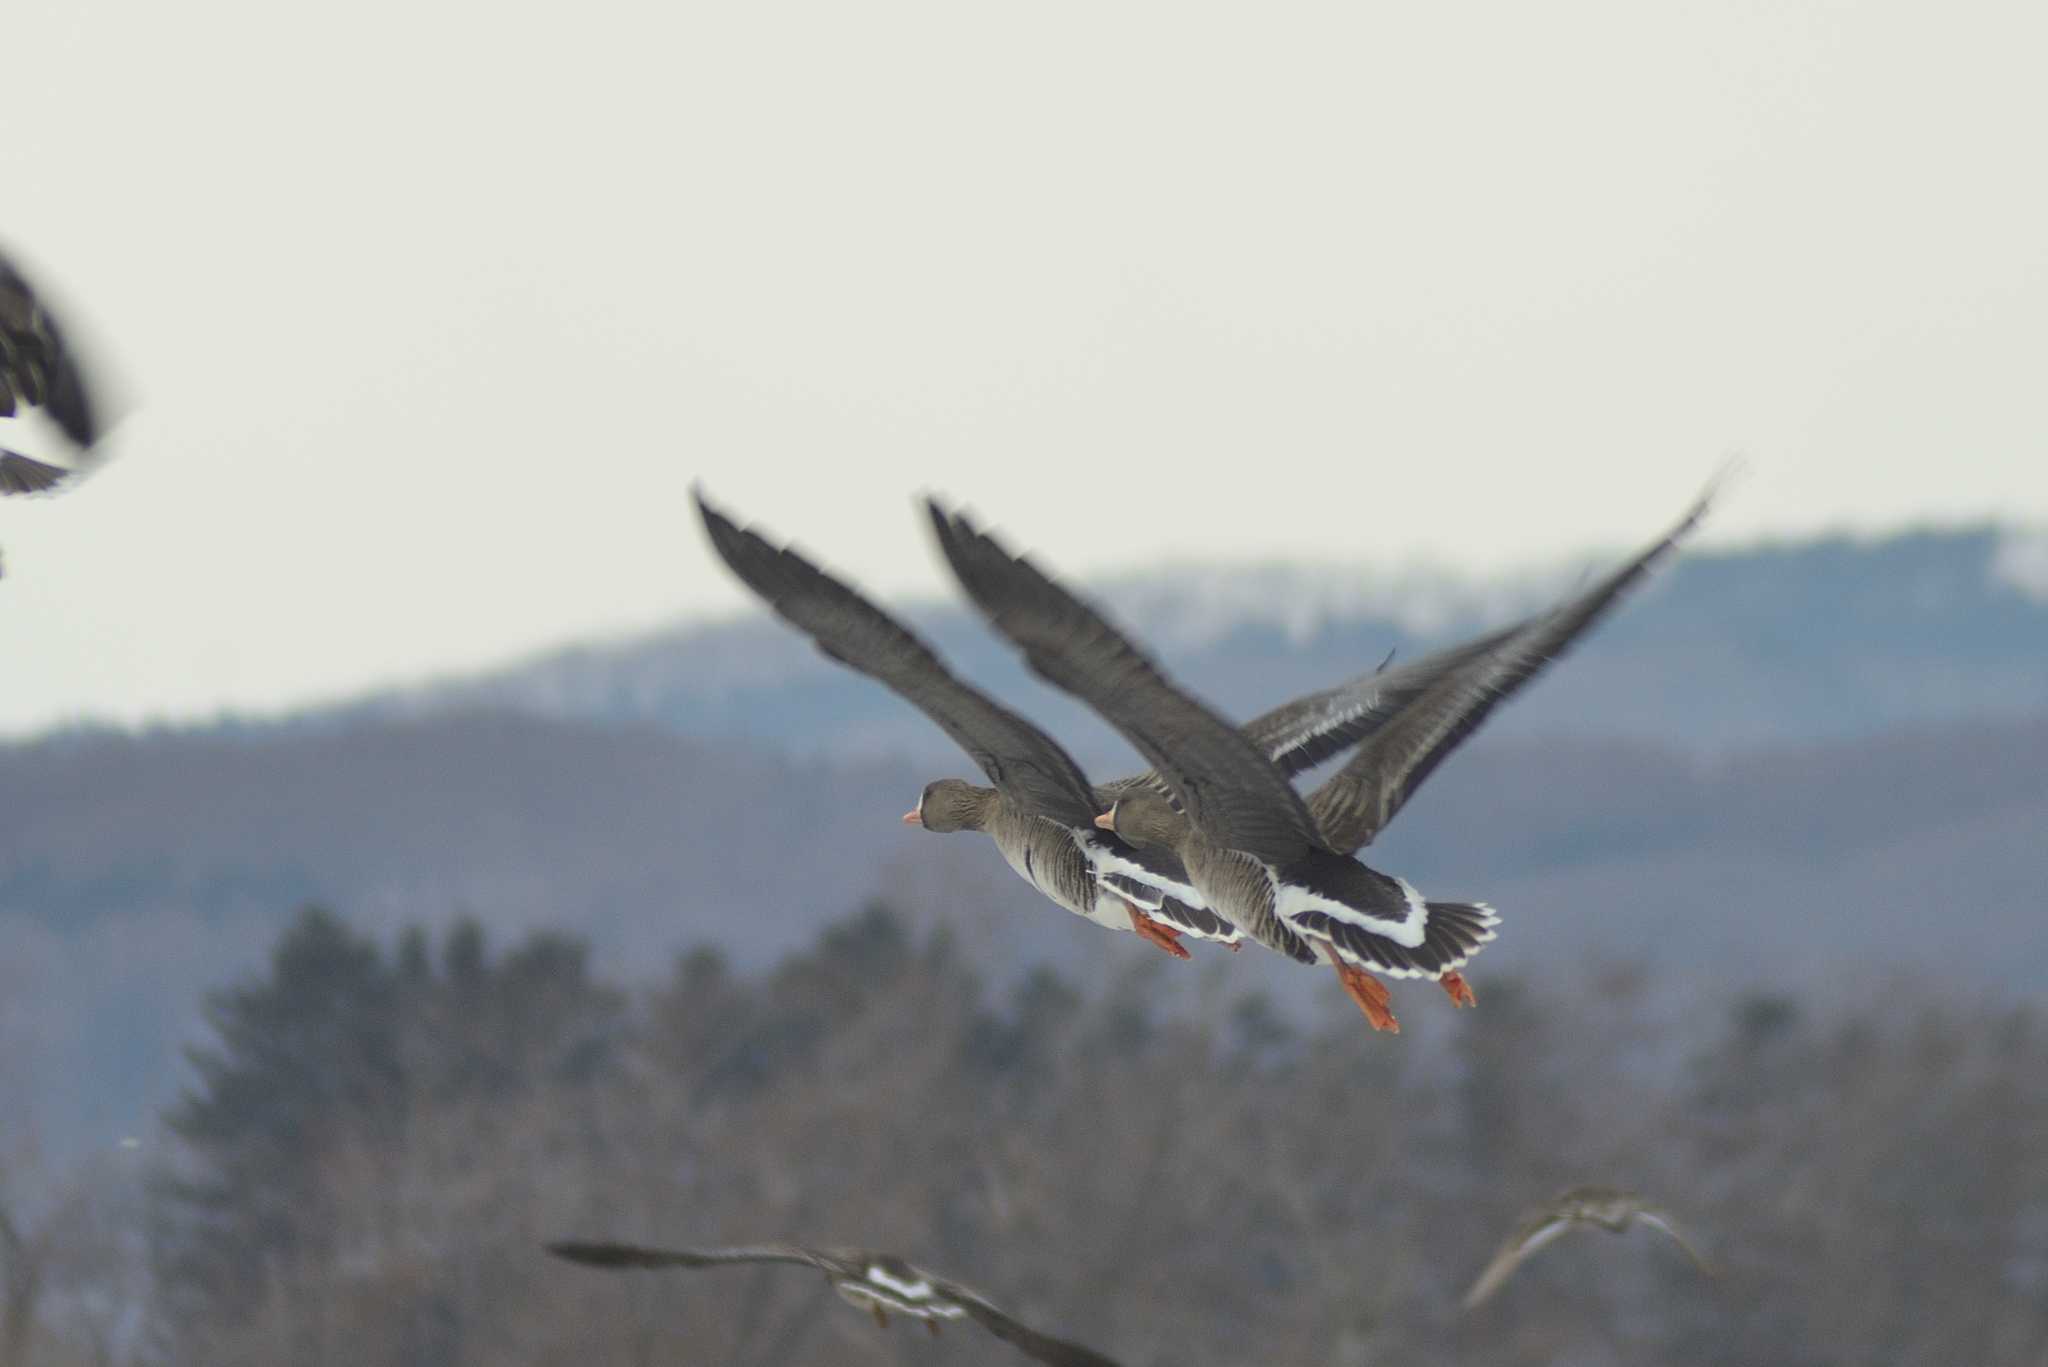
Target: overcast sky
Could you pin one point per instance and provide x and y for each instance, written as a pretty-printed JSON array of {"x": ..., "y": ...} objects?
[{"x": 428, "y": 314}]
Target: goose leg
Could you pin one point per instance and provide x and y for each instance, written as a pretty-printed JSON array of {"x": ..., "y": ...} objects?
[
  {"x": 1157, "y": 932},
  {"x": 933, "y": 1326},
  {"x": 880, "y": 1319},
  {"x": 1459, "y": 990},
  {"x": 1371, "y": 995}
]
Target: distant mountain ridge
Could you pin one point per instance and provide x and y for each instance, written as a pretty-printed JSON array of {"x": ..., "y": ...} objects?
[
  {"x": 1738, "y": 648},
  {"x": 1784, "y": 765}
]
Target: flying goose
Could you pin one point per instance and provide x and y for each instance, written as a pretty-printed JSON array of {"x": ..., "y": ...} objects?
[
  {"x": 876, "y": 1282},
  {"x": 1041, "y": 810},
  {"x": 1583, "y": 1208},
  {"x": 38, "y": 371},
  {"x": 1280, "y": 868}
]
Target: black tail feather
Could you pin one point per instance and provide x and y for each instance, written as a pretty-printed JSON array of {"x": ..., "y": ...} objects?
[{"x": 1451, "y": 935}]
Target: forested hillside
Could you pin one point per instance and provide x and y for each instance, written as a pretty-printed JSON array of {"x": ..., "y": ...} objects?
[
  {"x": 384, "y": 1129},
  {"x": 136, "y": 872}
]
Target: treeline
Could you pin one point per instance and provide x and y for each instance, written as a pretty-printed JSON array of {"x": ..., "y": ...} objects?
[{"x": 379, "y": 1140}]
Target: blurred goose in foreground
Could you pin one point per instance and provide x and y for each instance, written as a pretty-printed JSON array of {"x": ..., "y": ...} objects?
[
  {"x": 1041, "y": 810},
  {"x": 876, "y": 1282},
  {"x": 37, "y": 371},
  {"x": 1278, "y": 867},
  {"x": 1580, "y": 1208}
]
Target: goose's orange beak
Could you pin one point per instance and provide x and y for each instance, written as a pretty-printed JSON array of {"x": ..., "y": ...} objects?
[
  {"x": 913, "y": 817},
  {"x": 1107, "y": 820}
]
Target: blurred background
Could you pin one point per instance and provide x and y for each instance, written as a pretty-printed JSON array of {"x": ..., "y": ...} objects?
[{"x": 417, "y": 847}]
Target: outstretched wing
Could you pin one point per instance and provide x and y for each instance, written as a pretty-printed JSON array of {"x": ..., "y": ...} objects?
[
  {"x": 1027, "y": 765},
  {"x": 1302, "y": 733},
  {"x": 1230, "y": 790},
  {"x": 611, "y": 1255},
  {"x": 36, "y": 364},
  {"x": 1362, "y": 797},
  {"x": 21, "y": 474},
  {"x": 1532, "y": 1233},
  {"x": 1657, "y": 1219},
  {"x": 1043, "y": 1347}
]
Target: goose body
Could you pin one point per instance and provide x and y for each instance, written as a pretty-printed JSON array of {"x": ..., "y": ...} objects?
[
  {"x": 1098, "y": 878},
  {"x": 880, "y": 1283},
  {"x": 1278, "y": 867}
]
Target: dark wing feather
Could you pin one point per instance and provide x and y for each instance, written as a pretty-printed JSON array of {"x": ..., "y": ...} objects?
[
  {"x": 630, "y": 1255},
  {"x": 1229, "y": 790},
  {"x": 40, "y": 364},
  {"x": 1057, "y": 1352},
  {"x": 1362, "y": 797},
  {"x": 20, "y": 474},
  {"x": 1300, "y": 734},
  {"x": 1024, "y": 763},
  {"x": 67, "y": 401}
]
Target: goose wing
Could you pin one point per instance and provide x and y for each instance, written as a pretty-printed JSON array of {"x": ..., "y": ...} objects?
[
  {"x": 610, "y": 1255},
  {"x": 1362, "y": 797},
  {"x": 1229, "y": 789},
  {"x": 35, "y": 364},
  {"x": 1300, "y": 734},
  {"x": 1661, "y": 1220},
  {"x": 1534, "y": 1231},
  {"x": 1029, "y": 1341},
  {"x": 21, "y": 474},
  {"x": 1024, "y": 763}
]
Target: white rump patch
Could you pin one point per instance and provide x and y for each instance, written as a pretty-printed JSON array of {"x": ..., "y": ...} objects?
[
  {"x": 861, "y": 1295},
  {"x": 919, "y": 1290},
  {"x": 1291, "y": 901}
]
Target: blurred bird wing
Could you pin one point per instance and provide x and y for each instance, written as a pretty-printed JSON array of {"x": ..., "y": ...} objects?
[
  {"x": 1657, "y": 1219},
  {"x": 1533, "y": 1233},
  {"x": 21, "y": 474},
  {"x": 1043, "y": 1347},
  {"x": 614, "y": 1255}
]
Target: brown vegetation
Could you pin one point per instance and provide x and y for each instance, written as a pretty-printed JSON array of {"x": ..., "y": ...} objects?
[{"x": 381, "y": 1142}]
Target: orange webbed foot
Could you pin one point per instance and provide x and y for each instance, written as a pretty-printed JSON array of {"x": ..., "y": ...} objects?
[
  {"x": 1459, "y": 991},
  {"x": 1371, "y": 995},
  {"x": 1156, "y": 932}
]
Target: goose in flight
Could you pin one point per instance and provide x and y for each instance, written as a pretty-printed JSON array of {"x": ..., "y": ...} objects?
[
  {"x": 38, "y": 371},
  {"x": 1040, "y": 809},
  {"x": 1280, "y": 868},
  {"x": 1605, "y": 1208},
  {"x": 879, "y": 1283}
]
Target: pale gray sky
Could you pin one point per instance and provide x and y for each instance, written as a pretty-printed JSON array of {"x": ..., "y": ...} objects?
[{"x": 429, "y": 313}]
